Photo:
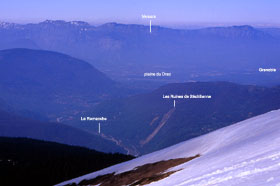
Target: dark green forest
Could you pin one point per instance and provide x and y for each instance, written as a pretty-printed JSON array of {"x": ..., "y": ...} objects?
[{"x": 31, "y": 162}]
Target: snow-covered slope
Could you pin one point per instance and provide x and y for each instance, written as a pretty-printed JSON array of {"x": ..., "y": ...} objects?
[{"x": 244, "y": 154}]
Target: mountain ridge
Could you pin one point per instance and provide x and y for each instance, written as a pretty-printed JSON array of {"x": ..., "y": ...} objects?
[
  {"x": 50, "y": 82},
  {"x": 197, "y": 52},
  {"x": 148, "y": 122},
  {"x": 12, "y": 125}
]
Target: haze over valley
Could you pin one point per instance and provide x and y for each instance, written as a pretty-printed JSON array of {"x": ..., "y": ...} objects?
[{"x": 115, "y": 93}]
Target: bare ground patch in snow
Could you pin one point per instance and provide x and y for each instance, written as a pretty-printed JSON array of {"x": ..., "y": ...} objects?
[{"x": 141, "y": 175}]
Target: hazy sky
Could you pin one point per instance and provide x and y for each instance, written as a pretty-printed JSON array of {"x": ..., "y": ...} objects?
[{"x": 129, "y": 11}]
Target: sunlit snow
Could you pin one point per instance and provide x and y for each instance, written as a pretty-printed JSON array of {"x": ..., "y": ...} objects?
[{"x": 244, "y": 154}]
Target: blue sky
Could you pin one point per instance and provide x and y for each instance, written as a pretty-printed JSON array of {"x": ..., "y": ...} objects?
[{"x": 169, "y": 12}]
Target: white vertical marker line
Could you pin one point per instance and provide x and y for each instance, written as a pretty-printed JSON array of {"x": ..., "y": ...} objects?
[
  {"x": 174, "y": 103},
  {"x": 150, "y": 26},
  {"x": 99, "y": 128}
]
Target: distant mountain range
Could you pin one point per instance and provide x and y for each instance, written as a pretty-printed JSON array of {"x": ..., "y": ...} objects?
[
  {"x": 125, "y": 52},
  {"x": 147, "y": 122}
]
